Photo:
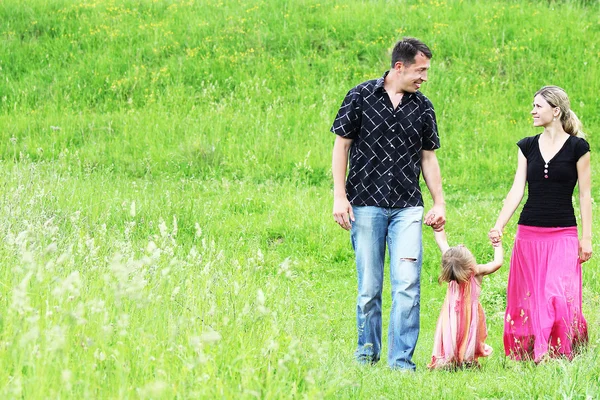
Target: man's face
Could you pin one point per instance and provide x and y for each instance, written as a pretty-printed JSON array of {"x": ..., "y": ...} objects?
[{"x": 412, "y": 76}]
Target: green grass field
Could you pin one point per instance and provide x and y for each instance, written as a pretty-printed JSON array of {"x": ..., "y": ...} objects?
[{"x": 166, "y": 193}]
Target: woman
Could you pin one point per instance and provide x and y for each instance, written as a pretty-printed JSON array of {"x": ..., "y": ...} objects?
[{"x": 543, "y": 312}]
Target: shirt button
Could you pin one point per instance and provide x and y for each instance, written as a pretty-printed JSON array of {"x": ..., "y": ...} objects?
[
  {"x": 393, "y": 130},
  {"x": 546, "y": 176}
]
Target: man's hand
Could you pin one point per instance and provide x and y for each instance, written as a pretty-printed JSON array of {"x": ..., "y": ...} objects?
[
  {"x": 436, "y": 218},
  {"x": 342, "y": 212}
]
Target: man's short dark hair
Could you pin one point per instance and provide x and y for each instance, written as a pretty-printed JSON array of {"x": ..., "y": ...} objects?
[{"x": 406, "y": 50}]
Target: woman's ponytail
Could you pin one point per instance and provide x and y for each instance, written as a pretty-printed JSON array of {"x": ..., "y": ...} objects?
[{"x": 571, "y": 124}]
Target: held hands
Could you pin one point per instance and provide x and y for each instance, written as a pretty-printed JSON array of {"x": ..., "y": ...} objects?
[
  {"x": 585, "y": 249},
  {"x": 495, "y": 236},
  {"x": 342, "y": 212},
  {"x": 436, "y": 218}
]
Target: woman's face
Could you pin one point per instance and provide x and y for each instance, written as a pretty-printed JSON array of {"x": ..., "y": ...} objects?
[{"x": 543, "y": 113}]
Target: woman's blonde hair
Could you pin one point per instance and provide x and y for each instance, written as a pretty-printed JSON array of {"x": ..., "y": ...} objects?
[
  {"x": 557, "y": 97},
  {"x": 457, "y": 265}
]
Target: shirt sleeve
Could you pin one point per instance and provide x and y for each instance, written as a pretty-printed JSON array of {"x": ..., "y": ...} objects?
[
  {"x": 525, "y": 146},
  {"x": 581, "y": 148},
  {"x": 348, "y": 120},
  {"x": 431, "y": 139}
]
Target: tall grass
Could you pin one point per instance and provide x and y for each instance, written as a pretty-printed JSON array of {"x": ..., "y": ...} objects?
[{"x": 166, "y": 196}]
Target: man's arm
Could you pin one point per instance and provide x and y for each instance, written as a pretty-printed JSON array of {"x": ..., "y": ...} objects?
[
  {"x": 342, "y": 210},
  {"x": 436, "y": 217}
]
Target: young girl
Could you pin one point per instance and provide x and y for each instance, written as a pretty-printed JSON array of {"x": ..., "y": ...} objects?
[{"x": 461, "y": 331}]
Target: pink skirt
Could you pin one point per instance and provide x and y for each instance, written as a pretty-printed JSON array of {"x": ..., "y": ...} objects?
[{"x": 543, "y": 310}]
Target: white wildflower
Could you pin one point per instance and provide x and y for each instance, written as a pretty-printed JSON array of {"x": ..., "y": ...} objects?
[
  {"x": 272, "y": 346},
  {"x": 66, "y": 376},
  {"x": 123, "y": 324},
  {"x": 62, "y": 258},
  {"x": 55, "y": 338},
  {"x": 31, "y": 336},
  {"x": 285, "y": 269},
  {"x": 99, "y": 355},
  {"x": 21, "y": 239},
  {"x": 162, "y": 226},
  {"x": 193, "y": 255},
  {"x": 174, "y": 226},
  {"x": 70, "y": 285},
  {"x": 151, "y": 248},
  {"x": 195, "y": 342},
  {"x": 96, "y": 306},
  {"x": 153, "y": 389},
  {"x": 260, "y": 300},
  {"x": 79, "y": 313},
  {"x": 210, "y": 336},
  {"x": 51, "y": 248},
  {"x": 75, "y": 217},
  {"x": 20, "y": 299},
  {"x": 260, "y": 297},
  {"x": 27, "y": 257}
]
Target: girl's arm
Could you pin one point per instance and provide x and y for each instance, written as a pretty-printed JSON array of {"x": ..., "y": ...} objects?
[
  {"x": 512, "y": 201},
  {"x": 441, "y": 240},
  {"x": 491, "y": 267},
  {"x": 585, "y": 205}
]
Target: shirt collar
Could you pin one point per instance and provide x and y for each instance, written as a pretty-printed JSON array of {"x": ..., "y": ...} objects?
[{"x": 381, "y": 81}]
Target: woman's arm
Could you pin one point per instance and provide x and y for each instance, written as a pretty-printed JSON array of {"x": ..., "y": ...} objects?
[
  {"x": 585, "y": 205},
  {"x": 512, "y": 201}
]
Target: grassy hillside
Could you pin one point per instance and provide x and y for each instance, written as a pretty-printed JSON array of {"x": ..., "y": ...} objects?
[{"x": 166, "y": 208}]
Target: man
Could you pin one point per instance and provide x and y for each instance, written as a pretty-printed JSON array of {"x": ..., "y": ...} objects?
[{"x": 390, "y": 130}]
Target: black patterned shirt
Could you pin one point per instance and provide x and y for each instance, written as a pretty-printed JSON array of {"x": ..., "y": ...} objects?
[{"x": 385, "y": 156}]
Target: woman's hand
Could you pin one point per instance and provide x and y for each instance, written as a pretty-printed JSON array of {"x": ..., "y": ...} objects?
[
  {"x": 495, "y": 235},
  {"x": 585, "y": 249}
]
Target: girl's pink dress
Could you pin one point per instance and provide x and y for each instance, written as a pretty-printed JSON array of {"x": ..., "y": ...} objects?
[{"x": 461, "y": 330}]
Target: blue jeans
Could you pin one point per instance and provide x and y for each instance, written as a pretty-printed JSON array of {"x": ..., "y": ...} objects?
[{"x": 401, "y": 230}]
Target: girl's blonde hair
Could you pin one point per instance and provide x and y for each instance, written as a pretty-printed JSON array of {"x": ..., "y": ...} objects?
[
  {"x": 557, "y": 97},
  {"x": 457, "y": 265}
]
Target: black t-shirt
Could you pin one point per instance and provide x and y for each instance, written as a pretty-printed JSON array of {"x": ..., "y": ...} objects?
[{"x": 550, "y": 184}]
